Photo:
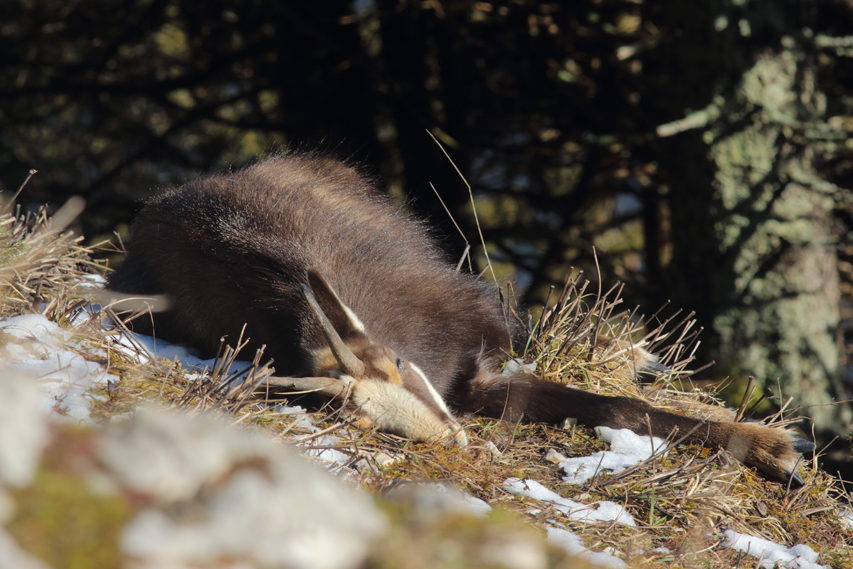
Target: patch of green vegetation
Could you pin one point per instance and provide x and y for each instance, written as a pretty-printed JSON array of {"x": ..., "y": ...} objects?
[
  {"x": 839, "y": 558},
  {"x": 60, "y": 520},
  {"x": 462, "y": 541},
  {"x": 9, "y": 249}
]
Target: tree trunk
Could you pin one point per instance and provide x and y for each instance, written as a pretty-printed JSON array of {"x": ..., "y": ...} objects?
[{"x": 751, "y": 222}]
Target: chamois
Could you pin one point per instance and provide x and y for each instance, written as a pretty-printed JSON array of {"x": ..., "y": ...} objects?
[{"x": 338, "y": 282}]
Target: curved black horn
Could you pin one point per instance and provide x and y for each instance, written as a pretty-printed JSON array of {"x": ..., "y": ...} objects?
[{"x": 348, "y": 360}]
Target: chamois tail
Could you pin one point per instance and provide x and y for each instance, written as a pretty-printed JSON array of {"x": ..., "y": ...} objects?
[{"x": 515, "y": 398}]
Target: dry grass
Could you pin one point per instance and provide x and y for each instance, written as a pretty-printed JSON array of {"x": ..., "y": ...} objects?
[
  {"x": 680, "y": 500},
  {"x": 40, "y": 263}
]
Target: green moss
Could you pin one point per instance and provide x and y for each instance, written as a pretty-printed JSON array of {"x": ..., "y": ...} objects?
[
  {"x": 61, "y": 521},
  {"x": 416, "y": 541}
]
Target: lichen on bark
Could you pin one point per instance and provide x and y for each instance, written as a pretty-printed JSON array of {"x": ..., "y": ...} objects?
[
  {"x": 753, "y": 249},
  {"x": 780, "y": 322}
]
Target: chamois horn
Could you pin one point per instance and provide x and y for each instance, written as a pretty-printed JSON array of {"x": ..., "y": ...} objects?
[{"x": 350, "y": 363}]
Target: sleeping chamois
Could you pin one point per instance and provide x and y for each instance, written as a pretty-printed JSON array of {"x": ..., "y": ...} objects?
[{"x": 338, "y": 282}]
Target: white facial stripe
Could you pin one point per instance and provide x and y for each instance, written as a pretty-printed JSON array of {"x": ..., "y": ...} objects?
[{"x": 435, "y": 396}]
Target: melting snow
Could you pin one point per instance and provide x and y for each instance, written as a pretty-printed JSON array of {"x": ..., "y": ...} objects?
[
  {"x": 772, "y": 554},
  {"x": 34, "y": 346},
  {"x": 845, "y": 516},
  {"x": 602, "y": 512},
  {"x": 626, "y": 449}
]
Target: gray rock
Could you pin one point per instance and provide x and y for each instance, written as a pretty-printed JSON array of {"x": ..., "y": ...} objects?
[
  {"x": 23, "y": 428},
  {"x": 221, "y": 494},
  {"x": 12, "y": 556},
  {"x": 433, "y": 501}
]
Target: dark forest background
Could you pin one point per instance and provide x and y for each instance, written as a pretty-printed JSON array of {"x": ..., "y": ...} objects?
[{"x": 703, "y": 148}]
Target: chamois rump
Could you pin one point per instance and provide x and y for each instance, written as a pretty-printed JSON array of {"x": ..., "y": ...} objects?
[{"x": 338, "y": 282}]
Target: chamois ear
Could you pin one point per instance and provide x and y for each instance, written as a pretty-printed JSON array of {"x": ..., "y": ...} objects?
[{"x": 344, "y": 320}]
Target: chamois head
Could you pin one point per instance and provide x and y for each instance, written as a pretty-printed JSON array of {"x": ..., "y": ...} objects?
[{"x": 385, "y": 391}]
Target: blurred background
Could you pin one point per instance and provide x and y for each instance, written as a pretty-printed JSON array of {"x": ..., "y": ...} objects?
[{"x": 704, "y": 149}]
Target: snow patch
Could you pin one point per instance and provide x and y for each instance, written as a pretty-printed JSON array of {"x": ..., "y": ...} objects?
[
  {"x": 602, "y": 512},
  {"x": 516, "y": 366},
  {"x": 33, "y": 346},
  {"x": 772, "y": 554},
  {"x": 626, "y": 449},
  {"x": 845, "y": 516}
]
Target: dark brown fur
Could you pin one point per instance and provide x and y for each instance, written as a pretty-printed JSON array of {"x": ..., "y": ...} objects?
[{"x": 232, "y": 249}]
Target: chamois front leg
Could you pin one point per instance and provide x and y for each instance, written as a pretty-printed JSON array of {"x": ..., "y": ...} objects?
[
  {"x": 773, "y": 451},
  {"x": 328, "y": 386}
]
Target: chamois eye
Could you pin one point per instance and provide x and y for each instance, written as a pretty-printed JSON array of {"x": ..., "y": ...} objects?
[{"x": 401, "y": 364}]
